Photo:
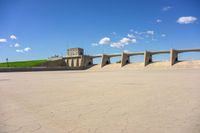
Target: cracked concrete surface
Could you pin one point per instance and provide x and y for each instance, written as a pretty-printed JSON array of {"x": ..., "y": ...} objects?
[{"x": 123, "y": 101}]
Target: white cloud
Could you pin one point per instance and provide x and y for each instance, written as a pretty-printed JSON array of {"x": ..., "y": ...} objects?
[
  {"x": 166, "y": 8},
  {"x": 105, "y": 40},
  {"x": 158, "y": 20},
  {"x": 19, "y": 50},
  {"x": 186, "y": 20},
  {"x": 16, "y": 45},
  {"x": 3, "y": 40},
  {"x": 27, "y": 49},
  {"x": 124, "y": 41},
  {"x": 131, "y": 36},
  {"x": 95, "y": 44},
  {"x": 136, "y": 32},
  {"x": 13, "y": 37},
  {"x": 163, "y": 35},
  {"x": 150, "y": 32},
  {"x": 116, "y": 45},
  {"x": 126, "y": 51},
  {"x": 114, "y": 33},
  {"x": 131, "y": 30}
]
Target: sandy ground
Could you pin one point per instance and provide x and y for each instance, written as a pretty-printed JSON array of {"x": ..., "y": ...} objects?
[{"x": 105, "y": 101}]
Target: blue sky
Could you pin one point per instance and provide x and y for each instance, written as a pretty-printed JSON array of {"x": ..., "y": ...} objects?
[{"x": 37, "y": 29}]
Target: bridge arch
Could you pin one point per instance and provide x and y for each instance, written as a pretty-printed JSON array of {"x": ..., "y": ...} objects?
[
  {"x": 148, "y": 56},
  {"x": 190, "y": 55},
  {"x": 175, "y": 54},
  {"x": 128, "y": 57}
]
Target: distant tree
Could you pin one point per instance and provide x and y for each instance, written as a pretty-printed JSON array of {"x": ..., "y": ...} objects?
[{"x": 54, "y": 56}]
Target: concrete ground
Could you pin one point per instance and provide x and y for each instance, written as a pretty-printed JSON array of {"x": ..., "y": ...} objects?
[{"x": 120, "y": 101}]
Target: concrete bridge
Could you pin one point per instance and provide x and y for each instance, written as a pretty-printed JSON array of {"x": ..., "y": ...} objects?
[
  {"x": 76, "y": 60},
  {"x": 148, "y": 56}
]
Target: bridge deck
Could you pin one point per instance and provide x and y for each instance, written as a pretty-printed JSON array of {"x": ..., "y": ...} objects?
[
  {"x": 96, "y": 56},
  {"x": 135, "y": 53},
  {"x": 114, "y": 55},
  {"x": 188, "y": 50},
  {"x": 160, "y": 52}
]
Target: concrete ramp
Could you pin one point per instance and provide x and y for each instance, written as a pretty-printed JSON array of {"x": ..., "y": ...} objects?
[
  {"x": 187, "y": 64},
  {"x": 112, "y": 66},
  {"x": 95, "y": 67},
  {"x": 163, "y": 64},
  {"x": 136, "y": 65}
]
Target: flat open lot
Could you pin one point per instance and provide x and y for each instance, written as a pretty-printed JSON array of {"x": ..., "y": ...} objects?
[{"x": 121, "y": 101}]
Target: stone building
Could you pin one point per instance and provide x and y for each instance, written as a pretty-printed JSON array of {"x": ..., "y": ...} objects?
[
  {"x": 76, "y": 59},
  {"x": 75, "y": 52}
]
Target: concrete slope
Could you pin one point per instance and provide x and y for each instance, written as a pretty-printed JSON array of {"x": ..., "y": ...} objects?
[{"x": 153, "y": 65}]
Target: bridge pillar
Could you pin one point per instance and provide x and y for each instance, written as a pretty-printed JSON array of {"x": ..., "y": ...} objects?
[
  {"x": 147, "y": 58},
  {"x": 173, "y": 56},
  {"x": 90, "y": 62},
  {"x": 125, "y": 59},
  {"x": 105, "y": 60}
]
